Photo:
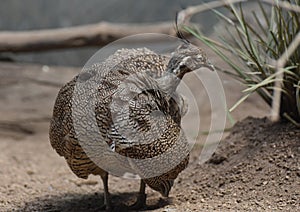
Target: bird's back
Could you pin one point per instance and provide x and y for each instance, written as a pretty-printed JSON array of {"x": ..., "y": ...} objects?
[{"x": 129, "y": 73}]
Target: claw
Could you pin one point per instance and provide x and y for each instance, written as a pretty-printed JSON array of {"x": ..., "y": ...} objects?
[
  {"x": 141, "y": 199},
  {"x": 104, "y": 207},
  {"x": 140, "y": 202}
]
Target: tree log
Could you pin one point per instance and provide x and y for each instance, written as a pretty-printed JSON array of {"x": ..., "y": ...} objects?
[{"x": 73, "y": 37}]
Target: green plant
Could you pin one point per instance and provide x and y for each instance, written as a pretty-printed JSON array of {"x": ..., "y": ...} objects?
[{"x": 258, "y": 45}]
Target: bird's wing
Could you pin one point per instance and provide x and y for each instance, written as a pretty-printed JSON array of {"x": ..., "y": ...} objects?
[{"x": 141, "y": 112}]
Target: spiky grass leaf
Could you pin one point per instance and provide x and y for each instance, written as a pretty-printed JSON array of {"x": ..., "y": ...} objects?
[
  {"x": 298, "y": 96},
  {"x": 258, "y": 45}
]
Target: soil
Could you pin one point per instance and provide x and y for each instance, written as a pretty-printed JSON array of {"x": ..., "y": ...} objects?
[{"x": 255, "y": 168}]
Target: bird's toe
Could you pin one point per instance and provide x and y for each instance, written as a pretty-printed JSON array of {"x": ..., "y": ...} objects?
[
  {"x": 140, "y": 203},
  {"x": 105, "y": 207}
]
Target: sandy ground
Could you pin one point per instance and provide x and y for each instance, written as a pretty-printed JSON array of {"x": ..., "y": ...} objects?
[{"x": 34, "y": 178}]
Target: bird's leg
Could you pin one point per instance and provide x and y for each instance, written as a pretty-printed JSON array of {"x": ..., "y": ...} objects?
[
  {"x": 141, "y": 199},
  {"x": 107, "y": 201}
]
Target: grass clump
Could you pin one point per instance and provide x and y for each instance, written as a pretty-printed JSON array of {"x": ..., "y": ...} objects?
[{"x": 252, "y": 49}]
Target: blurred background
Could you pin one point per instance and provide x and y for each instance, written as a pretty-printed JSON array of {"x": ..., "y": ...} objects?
[{"x": 36, "y": 14}]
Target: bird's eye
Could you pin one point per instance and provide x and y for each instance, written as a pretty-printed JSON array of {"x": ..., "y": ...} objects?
[
  {"x": 181, "y": 67},
  {"x": 199, "y": 56}
]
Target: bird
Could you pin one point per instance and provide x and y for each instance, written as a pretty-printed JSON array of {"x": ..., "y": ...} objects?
[{"x": 137, "y": 114}]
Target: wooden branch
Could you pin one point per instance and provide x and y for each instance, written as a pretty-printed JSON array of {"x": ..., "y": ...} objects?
[
  {"x": 185, "y": 15},
  {"x": 279, "y": 77},
  {"x": 89, "y": 35}
]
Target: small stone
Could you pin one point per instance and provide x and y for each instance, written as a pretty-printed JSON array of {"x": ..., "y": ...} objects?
[
  {"x": 169, "y": 209},
  {"x": 30, "y": 172},
  {"x": 45, "y": 68},
  {"x": 259, "y": 169}
]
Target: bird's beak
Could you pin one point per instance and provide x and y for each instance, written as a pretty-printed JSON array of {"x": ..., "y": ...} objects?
[{"x": 209, "y": 66}]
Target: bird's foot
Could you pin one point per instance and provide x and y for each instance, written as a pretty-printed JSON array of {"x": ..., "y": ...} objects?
[
  {"x": 140, "y": 202},
  {"x": 105, "y": 207}
]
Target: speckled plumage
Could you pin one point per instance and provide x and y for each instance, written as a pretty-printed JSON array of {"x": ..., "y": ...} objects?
[{"x": 140, "y": 69}]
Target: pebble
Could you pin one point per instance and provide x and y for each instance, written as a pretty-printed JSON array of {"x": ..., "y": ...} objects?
[
  {"x": 45, "y": 68},
  {"x": 30, "y": 172},
  {"x": 169, "y": 209}
]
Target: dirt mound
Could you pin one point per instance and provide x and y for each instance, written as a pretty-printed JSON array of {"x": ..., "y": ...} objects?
[{"x": 256, "y": 167}]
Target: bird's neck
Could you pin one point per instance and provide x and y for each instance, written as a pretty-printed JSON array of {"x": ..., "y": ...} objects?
[{"x": 168, "y": 82}]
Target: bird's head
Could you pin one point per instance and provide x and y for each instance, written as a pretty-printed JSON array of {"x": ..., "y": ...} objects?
[{"x": 187, "y": 58}]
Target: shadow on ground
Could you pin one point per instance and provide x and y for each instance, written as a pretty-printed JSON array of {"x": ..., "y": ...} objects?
[{"x": 87, "y": 202}]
